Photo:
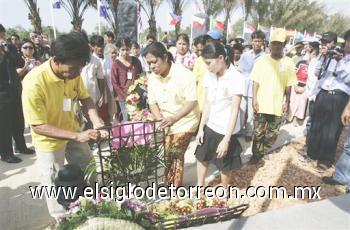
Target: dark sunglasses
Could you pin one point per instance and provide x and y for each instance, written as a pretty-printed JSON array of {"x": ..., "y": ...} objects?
[{"x": 28, "y": 47}]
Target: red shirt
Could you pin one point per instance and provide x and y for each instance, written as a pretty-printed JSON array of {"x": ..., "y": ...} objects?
[
  {"x": 302, "y": 72},
  {"x": 119, "y": 75}
]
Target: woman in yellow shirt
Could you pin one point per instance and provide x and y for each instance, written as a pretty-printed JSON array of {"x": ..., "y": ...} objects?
[{"x": 172, "y": 99}]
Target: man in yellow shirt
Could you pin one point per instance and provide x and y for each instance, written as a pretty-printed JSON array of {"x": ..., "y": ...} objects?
[
  {"x": 200, "y": 68},
  {"x": 50, "y": 94},
  {"x": 272, "y": 75}
]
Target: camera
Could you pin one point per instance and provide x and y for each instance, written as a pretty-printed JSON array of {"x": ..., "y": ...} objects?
[
  {"x": 4, "y": 46},
  {"x": 334, "y": 50}
]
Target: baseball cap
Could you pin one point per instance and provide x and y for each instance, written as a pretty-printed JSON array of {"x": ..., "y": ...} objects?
[
  {"x": 278, "y": 35},
  {"x": 215, "y": 34},
  {"x": 329, "y": 36}
]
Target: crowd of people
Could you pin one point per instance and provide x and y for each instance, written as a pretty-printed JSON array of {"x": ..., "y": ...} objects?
[{"x": 208, "y": 88}]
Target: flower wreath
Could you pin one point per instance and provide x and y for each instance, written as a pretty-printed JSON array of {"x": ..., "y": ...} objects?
[{"x": 136, "y": 101}]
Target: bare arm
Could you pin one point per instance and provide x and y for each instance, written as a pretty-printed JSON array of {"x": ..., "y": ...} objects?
[
  {"x": 236, "y": 101},
  {"x": 205, "y": 113},
  {"x": 255, "y": 96},
  {"x": 55, "y": 132},
  {"x": 186, "y": 109},
  {"x": 287, "y": 93},
  {"x": 155, "y": 111},
  {"x": 89, "y": 106},
  {"x": 285, "y": 106}
]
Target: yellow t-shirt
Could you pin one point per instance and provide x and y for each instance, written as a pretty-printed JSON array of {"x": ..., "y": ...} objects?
[
  {"x": 199, "y": 70},
  {"x": 46, "y": 100},
  {"x": 273, "y": 76},
  {"x": 171, "y": 93}
]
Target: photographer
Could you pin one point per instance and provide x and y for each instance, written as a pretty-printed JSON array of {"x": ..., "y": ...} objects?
[
  {"x": 10, "y": 93},
  {"x": 334, "y": 85},
  {"x": 28, "y": 61}
]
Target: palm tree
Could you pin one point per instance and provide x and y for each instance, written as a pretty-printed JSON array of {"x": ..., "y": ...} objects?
[
  {"x": 112, "y": 17},
  {"x": 247, "y": 8},
  {"x": 229, "y": 6},
  {"x": 299, "y": 15},
  {"x": 210, "y": 8},
  {"x": 76, "y": 10},
  {"x": 150, "y": 7},
  {"x": 33, "y": 15},
  {"x": 177, "y": 7},
  {"x": 337, "y": 23}
]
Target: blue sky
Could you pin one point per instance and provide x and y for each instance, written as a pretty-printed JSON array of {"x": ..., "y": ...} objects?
[{"x": 15, "y": 12}]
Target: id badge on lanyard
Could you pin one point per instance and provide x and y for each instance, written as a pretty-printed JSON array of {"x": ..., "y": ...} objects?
[
  {"x": 129, "y": 75},
  {"x": 67, "y": 104}
]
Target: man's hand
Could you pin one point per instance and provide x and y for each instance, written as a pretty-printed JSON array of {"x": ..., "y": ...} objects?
[
  {"x": 285, "y": 107},
  {"x": 87, "y": 135},
  {"x": 299, "y": 90},
  {"x": 103, "y": 133},
  {"x": 255, "y": 106},
  {"x": 166, "y": 122},
  {"x": 221, "y": 151}
]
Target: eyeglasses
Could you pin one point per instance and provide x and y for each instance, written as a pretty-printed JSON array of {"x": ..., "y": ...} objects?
[{"x": 28, "y": 47}]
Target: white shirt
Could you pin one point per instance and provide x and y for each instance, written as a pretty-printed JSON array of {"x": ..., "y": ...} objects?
[
  {"x": 220, "y": 91},
  {"x": 107, "y": 64},
  {"x": 89, "y": 74}
]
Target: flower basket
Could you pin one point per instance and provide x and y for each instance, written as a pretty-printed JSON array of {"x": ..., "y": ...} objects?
[
  {"x": 201, "y": 217},
  {"x": 173, "y": 214},
  {"x": 135, "y": 153}
]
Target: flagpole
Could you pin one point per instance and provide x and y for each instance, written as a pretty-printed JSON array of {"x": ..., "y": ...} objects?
[
  {"x": 98, "y": 16},
  {"x": 138, "y": 26},
  {"x": 52, "y": 20},
  {"x": 191, "y": 33},
  {"x": 211, "y": 22},
  {"x": 227, "y": 29}
]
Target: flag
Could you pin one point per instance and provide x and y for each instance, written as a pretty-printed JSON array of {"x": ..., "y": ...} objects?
[
  {"x": 265, "y": 29},
  {"x": 175, "y": 19},
  {"x": 219, "y": 25},
  {"x": 56, "y": 4},
  {"x": 103, "y": 9},
  {"x": 248, "y": 28},
  {"x": 198, "y": 22}
]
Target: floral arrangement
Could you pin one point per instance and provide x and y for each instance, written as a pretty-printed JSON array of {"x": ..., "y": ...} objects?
[
  {"x": 135, "y": 214},
  {"x": 136, "y": 101},
  {"x": 169, "y": 209},
  {"x": 106, "y": 214}
]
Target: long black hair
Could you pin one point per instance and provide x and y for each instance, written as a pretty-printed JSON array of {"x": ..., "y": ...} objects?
[
  {"x": 213, "y": 50},
  {"x": 158, "y": 50}
]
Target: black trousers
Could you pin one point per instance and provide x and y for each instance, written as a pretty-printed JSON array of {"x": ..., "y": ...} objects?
[
  {"x": 11, "y": 126},
  {"x": 326, "y": 126}
]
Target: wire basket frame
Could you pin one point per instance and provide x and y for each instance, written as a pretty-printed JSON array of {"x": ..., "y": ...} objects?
[
  {"x": 135, "y": 153},
  {"x": 194, "y": 220}
]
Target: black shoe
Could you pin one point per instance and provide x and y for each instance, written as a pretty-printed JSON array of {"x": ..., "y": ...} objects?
[
  {"x": 11, "y": 159},
  {"x": 330, "y": 180},
  {"x": 25, "y": 151}
]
